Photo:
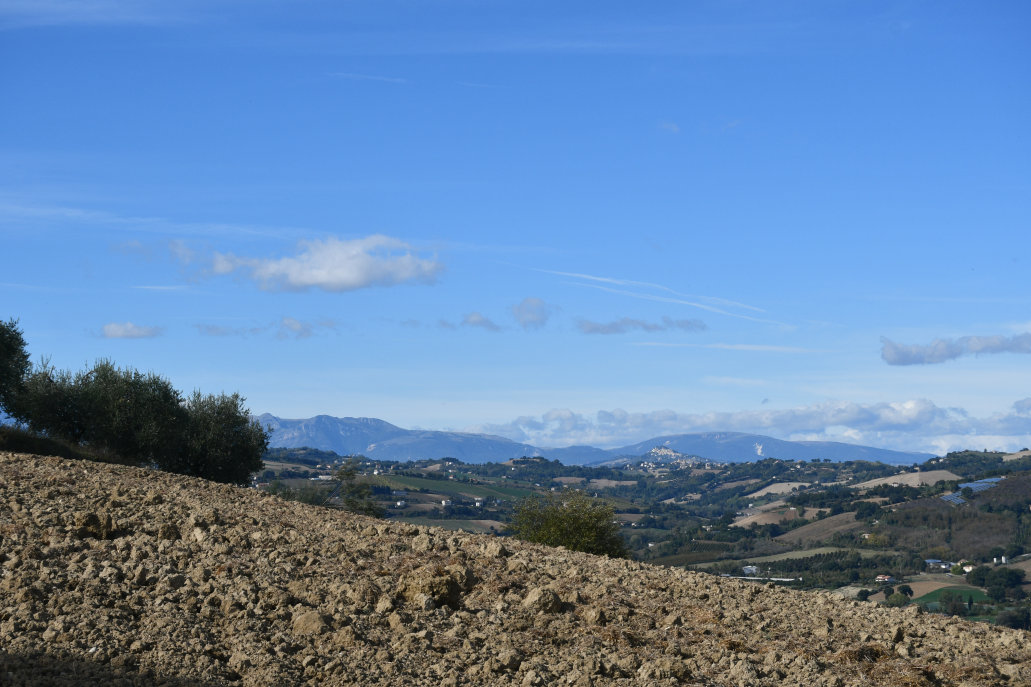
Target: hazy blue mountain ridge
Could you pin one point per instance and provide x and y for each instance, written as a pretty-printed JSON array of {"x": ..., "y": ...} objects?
[
  {"x": 378, "y": 439},
  {"x": 736, "y": 447}
]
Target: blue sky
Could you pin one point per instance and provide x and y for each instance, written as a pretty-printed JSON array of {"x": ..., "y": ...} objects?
[{"x": 559, "y": 222}]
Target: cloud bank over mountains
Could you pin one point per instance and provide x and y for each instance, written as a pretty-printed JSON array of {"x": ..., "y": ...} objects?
[
  {"x": 942, "y": 350},
  {"x": 916, "y": 425}
]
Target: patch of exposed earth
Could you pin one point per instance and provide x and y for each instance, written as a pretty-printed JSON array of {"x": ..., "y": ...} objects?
[
  {"x": 122, "y": 576},
  {"x": 778, "y": 488},
  {"x": 911, "y": 479}
]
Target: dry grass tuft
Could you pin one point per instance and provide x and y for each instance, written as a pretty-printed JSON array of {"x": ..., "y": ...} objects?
[{"x": 866, "y": 653}]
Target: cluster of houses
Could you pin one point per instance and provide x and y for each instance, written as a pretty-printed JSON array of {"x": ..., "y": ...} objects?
[
  {"x": 400, "y": 501},
  {"x": 936, "y": 565}
]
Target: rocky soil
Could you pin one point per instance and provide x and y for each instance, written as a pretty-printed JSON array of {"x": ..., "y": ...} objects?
[{"x": 122, "y": 576}]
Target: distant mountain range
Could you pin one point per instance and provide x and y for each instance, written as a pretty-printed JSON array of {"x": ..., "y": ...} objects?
[
  {"x": 378, "y": 439},
  {"x": 736, "y": 447}
]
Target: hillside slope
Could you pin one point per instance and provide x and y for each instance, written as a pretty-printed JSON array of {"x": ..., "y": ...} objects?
[{"x": 113, "y": 575}]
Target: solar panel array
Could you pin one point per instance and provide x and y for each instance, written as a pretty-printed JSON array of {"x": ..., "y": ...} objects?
[
  {"x": 979, "y": 485},
  {"x": 982, "y": 484}
]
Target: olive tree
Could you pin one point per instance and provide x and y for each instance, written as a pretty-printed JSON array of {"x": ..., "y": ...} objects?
[
  {"x": 14, "y": 365},
  {"x": 139, "y": 418},
  {"x": 119, "y": 413},
  {"x": 219, "y": 441},
  {"x": 573, "y": 520}
]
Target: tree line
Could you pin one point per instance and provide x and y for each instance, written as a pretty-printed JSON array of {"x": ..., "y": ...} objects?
[{"x": 123, "y": 415}]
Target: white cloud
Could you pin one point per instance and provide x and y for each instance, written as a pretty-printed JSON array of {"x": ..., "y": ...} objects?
[
  {"x": 942, "y": 350},
  {"x": 531, "y": 313},
  {"x": 626, "y": 324},
  {"x": 671, "y": 127},
  {"x": 128, "y": 330},
  {"x": 913, "y": 425},
  {"x": 475, "y": 319},
  {"x": 336, "y": 265}
]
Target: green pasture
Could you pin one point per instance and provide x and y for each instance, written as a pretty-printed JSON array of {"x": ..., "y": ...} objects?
[
  {"x": 452, "y": 487},
  {"x": 962, "y": 591}
]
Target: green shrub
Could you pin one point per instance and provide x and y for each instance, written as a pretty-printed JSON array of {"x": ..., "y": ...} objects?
[
  {"x": 573, "y": 520},
  {"x": 896, "y": 600}
]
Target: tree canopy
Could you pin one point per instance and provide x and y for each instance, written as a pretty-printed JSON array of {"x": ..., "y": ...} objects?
[
  {"x": 220, "y": 441},
  {"x": 133, "y": 417},
  {"x": 356, "y": 496},
  {"x": 14, "y": 363},
  {"x": 571, "y": 519}
]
